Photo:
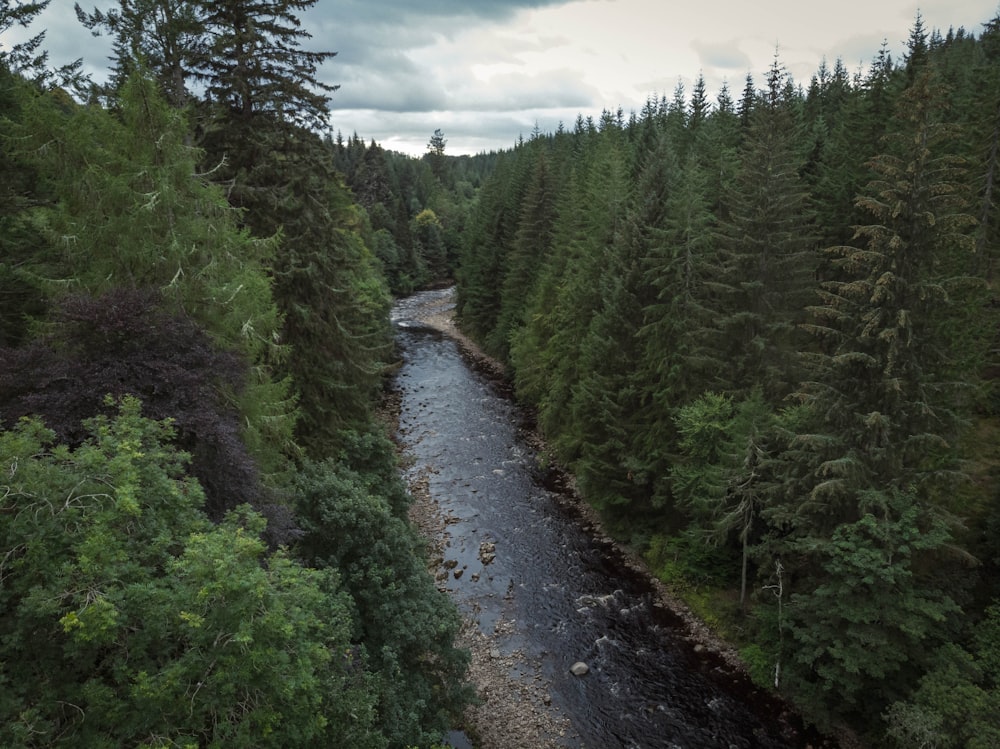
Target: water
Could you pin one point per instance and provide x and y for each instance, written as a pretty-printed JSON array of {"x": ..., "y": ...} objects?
[{"x": 570, "y": 595}]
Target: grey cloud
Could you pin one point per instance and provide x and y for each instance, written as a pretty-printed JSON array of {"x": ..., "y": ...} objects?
[
  {"x": 721, "y": 55},
  {"x": 402, "y": 91},
  {"x": 421, "y": 12},
  {"x": 411, "y": 92},
  {"x": 515, "y": 91}
]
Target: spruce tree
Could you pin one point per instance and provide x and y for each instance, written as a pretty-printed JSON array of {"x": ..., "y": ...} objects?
[
  {"x": 677, "y": 334},
  {"x": 610, "y": 406},
  {"x": 604, "y": 191},
  {"x": 767, "y": 250},
  {"x": 532, "y": 243},
  {"x": 886, "y": 396},
  {"x": 166, "y": 37}
]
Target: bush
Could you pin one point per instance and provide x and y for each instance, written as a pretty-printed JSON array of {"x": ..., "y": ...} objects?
[{"x": 150, "y": 626}]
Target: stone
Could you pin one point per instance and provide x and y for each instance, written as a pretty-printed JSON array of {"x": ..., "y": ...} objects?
[
  {"x": 487, "y": 552},
  {"x": 579, "y": 668}
]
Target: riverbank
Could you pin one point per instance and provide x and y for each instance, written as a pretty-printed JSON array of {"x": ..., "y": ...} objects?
[
  {"x": 513, "y": 704},
  {"x": 440, "y": 316},
  {"x": 515, "y": 709}
]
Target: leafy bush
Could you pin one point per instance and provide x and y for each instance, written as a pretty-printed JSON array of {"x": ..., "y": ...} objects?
[{"x": 150, "y": 626}]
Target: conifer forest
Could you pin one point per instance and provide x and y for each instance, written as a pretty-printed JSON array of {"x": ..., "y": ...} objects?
[{"x": 759, "y": 328}]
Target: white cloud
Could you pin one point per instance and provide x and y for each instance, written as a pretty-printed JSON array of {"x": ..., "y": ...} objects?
[{"x": 486, "y": 71}]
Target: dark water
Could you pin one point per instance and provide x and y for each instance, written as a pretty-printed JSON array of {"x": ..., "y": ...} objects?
[{"x": 572, "y": 597}]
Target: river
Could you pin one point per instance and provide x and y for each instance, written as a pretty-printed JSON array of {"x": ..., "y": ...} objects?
[{"x": 524, "y": 555}]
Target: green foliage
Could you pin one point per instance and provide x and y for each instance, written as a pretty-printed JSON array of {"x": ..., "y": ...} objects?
[
  {"x": 710, "y": 376},
  {"x": 159, "y": 628},
  {"x": 428, "y": 239},
  {"x": 957, "y": 703},
  {"x": 150, "y": 626},
  {"x": 863, "y": 626},
  {"x": 759, "y": 665},
  {"x": 124, "y": 343},
  {"x": 334, "y": 301},
  {"x": 404, "y": 624},
  {"x": 686, "y": 560},
  {"x": 128, "y": 211},
  {"x": 766, "y": 251}
]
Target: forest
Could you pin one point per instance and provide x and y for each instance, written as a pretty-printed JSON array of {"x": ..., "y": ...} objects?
[
  {"x": 761, "y": 333},
  {"x": 203, "y": 529}
]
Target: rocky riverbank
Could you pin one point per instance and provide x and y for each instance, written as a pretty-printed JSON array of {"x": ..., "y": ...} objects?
[
  {"x": 440, "y": 316},
  {"x": 515, "y": 709}
]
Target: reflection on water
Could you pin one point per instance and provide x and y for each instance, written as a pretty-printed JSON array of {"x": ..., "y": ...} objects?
[{"x": 521, "y": 554}]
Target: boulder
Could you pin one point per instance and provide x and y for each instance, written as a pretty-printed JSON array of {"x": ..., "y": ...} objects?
[{"x": 579, "y": 668}]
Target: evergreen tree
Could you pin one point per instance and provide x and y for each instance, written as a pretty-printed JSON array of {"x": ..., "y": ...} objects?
[
  {"x": 353, "y": 520},
  {"x": 886, "y": 394},
  {"x": 166, "y": 37},
  {"x": 677, "y": 333},
  {"x": 28, "y": 58},
  {"x": 144, "y": 219},
  {"x": 490, "y": 235},
  {"x": 335, "y": 305},
  {"x": 435, "y": 155},
  {"x": 767, "y": 248},
  {"x": 988, "y": 104},
  {"x": 609, "y": 405},
  {"x": 594, "y": 223},
  {"x": 530, "y": 352},
  {"x": 723, "y": 476},
  {"x": 532, "y": 243}
]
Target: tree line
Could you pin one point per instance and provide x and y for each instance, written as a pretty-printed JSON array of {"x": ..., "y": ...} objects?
[
  {"x": 203, "y": 532},
  {"x": 761, "y": 333},
  {"x": 416, "y": 208}
]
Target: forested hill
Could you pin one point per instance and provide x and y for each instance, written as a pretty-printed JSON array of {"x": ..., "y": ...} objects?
[
  {"x": 203, "y": 532},
  {"x": 761, "y": 331}
]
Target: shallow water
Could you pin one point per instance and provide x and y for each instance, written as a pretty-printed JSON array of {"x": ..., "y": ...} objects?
[{"x": 571, "y": 596}]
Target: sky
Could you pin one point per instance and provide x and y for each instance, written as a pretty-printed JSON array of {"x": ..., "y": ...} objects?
[{"x": 487, "y": 72}]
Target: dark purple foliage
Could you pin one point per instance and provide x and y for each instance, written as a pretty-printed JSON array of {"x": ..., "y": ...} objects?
[{"x": 124, "y": 343}]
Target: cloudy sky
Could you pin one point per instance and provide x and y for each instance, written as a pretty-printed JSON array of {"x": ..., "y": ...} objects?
[{"x": 487, "y": 71}]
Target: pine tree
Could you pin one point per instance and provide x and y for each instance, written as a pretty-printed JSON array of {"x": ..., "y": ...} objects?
[
  {"x": 166, "y": 37},
  {"x": 767, "y": 249},
  {"x": 532, "y": 243},
  {"x": 886, "y": 396}
]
